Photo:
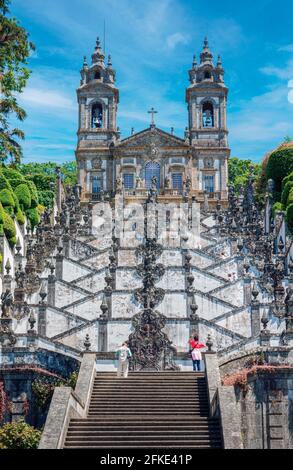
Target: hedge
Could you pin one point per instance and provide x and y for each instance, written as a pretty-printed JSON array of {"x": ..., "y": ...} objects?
[
  {"x": 4, "y": 183},
  {"x": 34, "y": 193},
  {"x": 286, "y": 180},
  {"x": 6, "y": 198},
  {"x": 46, "y": 198},
  {"x": 289, "y": 217},
  {"x": 24, "y": 196},
  {"x": 285, "y": 194},
  {"x": 278, "y": 206},
  {"x": 14, "y": 182},
  {"x": 11, "y": 174},
  {"x": 19, "y": 435},
  {"x": 42, "y": 181},
  {"x": 280, "y": 165},
  {"x": 9, "y": 228},
  {"x": 33, "y": 216}
]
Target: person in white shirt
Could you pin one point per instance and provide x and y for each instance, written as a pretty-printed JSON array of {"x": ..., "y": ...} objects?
[{"x": 123, "y": 354}]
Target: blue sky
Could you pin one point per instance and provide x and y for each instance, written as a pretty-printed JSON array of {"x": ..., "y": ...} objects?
[{"x": 152, "y": 43}]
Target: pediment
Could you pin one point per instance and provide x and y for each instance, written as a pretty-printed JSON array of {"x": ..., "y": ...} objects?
[{"x": 153, "y": 138}]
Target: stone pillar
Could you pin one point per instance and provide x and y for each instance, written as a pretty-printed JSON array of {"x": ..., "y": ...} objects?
[
  {"x": 246, "y": 290},
  {"x": 42, "y": 318},
  {"x": 59, "y": 267},
  {"x": 255, "y": 318},
  {"x": 51, "y": 290},
  {"x": 103, "y": 335}
]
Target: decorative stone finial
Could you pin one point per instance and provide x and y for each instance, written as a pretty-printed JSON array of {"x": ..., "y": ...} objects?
[
  {"x": 7, "y": 267},
  {"x": 104, "y": 308},
  {"x": 209, "y": 343},
  {"x": 87, "y": 343},
  {"x": 32, "y": 320},
  {"x": 43, "y": 292},
  {"x": 219, "y": 63}
]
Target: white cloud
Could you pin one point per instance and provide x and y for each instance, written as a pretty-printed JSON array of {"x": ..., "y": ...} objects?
[
  {"x": 287, "y": 48},
  {"x": 282, "y": 73},
  {"x": 177, "y": 38},
  {"x": 47, "y": 98}
]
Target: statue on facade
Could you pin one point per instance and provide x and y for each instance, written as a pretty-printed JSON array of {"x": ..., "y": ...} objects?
[
  {"x": 188, "y": 184},
  {"x": 6, "y": 305},
  {"x": 119, "y": 184},
  {"x": 167, "y": 182}
]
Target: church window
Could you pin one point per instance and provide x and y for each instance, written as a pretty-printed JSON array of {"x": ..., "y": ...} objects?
[
  {"x": 126, "y": 161},
  {"x": 207, "y": 75},
  {"x": 207, "y": 115},
  {"x": 209, "y": 183},
  {"x": 177, "y": 160},
  {"x": 97, "y": 116},
  {"x": 128, "y": 180},
  {"x": 152, "y": 169},
  {"x": 97, "y": 183},
  {"x": 177, "y": 181},
  {"x": 97, "y": 75}
]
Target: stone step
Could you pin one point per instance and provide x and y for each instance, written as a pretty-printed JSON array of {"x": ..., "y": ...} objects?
[
  {"x": 148, "y": 413},
  {"x": 141, "y": 420},
  {"x": 91, "y": 443},
  {"x": 176, "y": 375},
  {"x": 142, "y": 433},
  {"x": 139, "y": 446},
  {"x": 140, "y": 427}
]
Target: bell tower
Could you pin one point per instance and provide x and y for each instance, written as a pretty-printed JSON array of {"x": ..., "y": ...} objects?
[
  {"x": 206, "y": 97},
  {"x": 98, "y": 100}
]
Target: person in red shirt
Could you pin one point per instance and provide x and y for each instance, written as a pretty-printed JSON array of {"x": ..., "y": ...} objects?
[{"x": 195, "y": 347}]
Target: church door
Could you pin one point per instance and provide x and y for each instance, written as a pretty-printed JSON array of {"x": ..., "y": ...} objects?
[{"x": 152, "y": 169}]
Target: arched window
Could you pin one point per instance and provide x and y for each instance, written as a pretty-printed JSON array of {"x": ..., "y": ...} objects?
[
  {"x": 97, "y": 116},
  {"x": 208, "y": 115},
  {"x": 97, "y": 75},
  {"x": 152, "y": 169},
  {"x": 207, "y": 75}
]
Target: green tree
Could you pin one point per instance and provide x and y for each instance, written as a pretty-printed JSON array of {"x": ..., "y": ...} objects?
[
  {"x": 239, "y": 171},
  {"x": 15, "y": 48}
]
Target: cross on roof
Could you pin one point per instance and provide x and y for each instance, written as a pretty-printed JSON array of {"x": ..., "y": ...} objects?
[{"x": 153, "y": 112}]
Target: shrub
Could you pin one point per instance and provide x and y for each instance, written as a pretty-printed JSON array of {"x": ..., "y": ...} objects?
[
  {"x": 43, "y": 181},
  {"x": 11, "y": 174},
  {"x": 9, "y": 228},
  {"x": 278, "y": 206},
  {"x": 46, "y": 198},
  {"x": 14, "y": 182},
  {"x": 19, "y": 435},
  {"x": 6, "y": 198},
  {"x": 285, "y": 193},
  {"x": 290, "y": 198},
  {"x": 280, "y": 165},
  {"x": 19, "y": 216},
  {"x": 34, "y": 193},
  {"x": 4, "y": 183},
  {"x": 286, "y": 180},
  {"x": 33, "y": 216},
  {"x": 43, "y": 388},
  {"x": 289, "y": 217},
  {"x": 23, "y": 195}
]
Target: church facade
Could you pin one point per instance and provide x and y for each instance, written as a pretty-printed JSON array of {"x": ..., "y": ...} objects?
[{"x": 194, "y": 167}]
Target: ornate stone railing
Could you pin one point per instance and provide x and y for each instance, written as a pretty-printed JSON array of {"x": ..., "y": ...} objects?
[
  {"x": 223, "y": 404},
  {"x": 67, "y": 404}
]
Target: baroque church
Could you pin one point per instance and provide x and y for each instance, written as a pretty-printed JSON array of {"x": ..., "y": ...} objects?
[
  {"x": 193, "y": 166},
  {"x": 72, "y": 292}
]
